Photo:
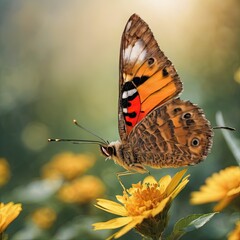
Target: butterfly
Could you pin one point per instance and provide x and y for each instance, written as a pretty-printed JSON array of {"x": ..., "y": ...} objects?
[{"x": 156, "y": 127}]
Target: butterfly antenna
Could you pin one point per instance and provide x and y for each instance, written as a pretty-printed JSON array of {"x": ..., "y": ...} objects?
[
  {"x": 76, "y": 141},
  {"x": 223, "y": 127},
  {"x": 80, "y": 141},
  {"x": 87, "y": 130}
]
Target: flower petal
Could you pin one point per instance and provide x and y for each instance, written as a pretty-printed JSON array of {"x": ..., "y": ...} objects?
[
  {"x": 205, "y": 196},
  {"x": 235, "y": 233},
  {"x": 160, "y": 207},
  {"x": 121, "y": 199},
  {"x": 179, "y": 187},
  {"x": 111, "y": 207},
  {"x": 164, "y": 182},
  {"x": 234, "y": 192},
  {"x": 113, "y": 223},
  {"x": 8, "y": 212},
  {"x": 175, "y": 181},
  {"x": 132, "y": 224},
  {"x": 149, "y": 180},
  {"x": 222, "y": 204}
]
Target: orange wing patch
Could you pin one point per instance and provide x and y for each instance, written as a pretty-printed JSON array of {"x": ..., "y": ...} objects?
[{"x": 157, "y": 90}]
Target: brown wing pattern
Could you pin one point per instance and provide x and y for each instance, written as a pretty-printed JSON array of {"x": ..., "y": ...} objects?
[
  {"x": 144, "y": 71},
  {"x": 173, "y": 135}
]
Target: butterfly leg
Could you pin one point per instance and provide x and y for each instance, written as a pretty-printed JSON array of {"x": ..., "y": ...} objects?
[{"x": 125, "y": 173}]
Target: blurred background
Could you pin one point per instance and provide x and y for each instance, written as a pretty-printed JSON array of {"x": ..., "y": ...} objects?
[{"x": 59, "y": 62}]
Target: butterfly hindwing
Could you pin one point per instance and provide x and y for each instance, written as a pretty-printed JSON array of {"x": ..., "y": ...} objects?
[
  {"x": 173, "y": 135},
  {"x": 147, "y": 78}
]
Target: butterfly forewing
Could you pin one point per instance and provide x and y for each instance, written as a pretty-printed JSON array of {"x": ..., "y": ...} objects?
[{"x": 147, "y": 78}]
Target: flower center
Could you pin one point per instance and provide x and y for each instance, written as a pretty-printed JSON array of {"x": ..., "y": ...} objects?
[{"x": 143, "y": 199}]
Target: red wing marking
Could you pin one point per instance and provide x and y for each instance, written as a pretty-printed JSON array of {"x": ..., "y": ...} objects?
[{"x": 133, "y": 111}]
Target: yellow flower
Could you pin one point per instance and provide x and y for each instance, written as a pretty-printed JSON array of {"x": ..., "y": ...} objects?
[
  {"x": 67, "y": 166},
  {"x": 221, "y": 187},
  {"x": 4, "y": 171},
  {"x": 82, "y": 190},
  {"x": 235, "y": 234},
  {"x": 143, "y": 207},
  {"x": 44, "y": 217},
  {"x": 8, "y": 212}
]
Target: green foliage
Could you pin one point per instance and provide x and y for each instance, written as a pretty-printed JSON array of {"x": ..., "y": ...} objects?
[
  {"x": 188, "y": 224},
  {"x": 233, "y": 143}
]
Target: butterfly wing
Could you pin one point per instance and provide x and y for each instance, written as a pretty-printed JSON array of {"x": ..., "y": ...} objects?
[
  {"x": 176, "y": 134},
  {"x": 147, "y": 78}
]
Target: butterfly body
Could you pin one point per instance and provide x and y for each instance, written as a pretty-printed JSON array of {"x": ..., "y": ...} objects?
[{"x": 156, "y": 128}]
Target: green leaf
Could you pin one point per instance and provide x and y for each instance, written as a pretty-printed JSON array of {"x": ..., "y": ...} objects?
[
  {"x": 232, "y": 142},
  {"x": 189, "y": 224}
]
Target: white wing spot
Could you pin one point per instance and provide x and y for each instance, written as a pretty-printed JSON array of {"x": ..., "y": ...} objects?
[
  {"x": 137, "y": 50},
  {"x": 135, "y": 53},
  {"x": 127, "y": 52},
  {"x": 128, "y": 93},
  {"x": 142, "y": 55},
  {"x": 128, "y": 26},
  {"x": 125, "y": 110},
  {"x": 124, "y": 95}
]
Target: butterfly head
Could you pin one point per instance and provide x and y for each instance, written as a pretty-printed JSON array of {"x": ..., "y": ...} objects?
[
  {"x": 120, "y": 154},
  {"x": 107, "y": 151},
  {"x": 110, "y": 150}
]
